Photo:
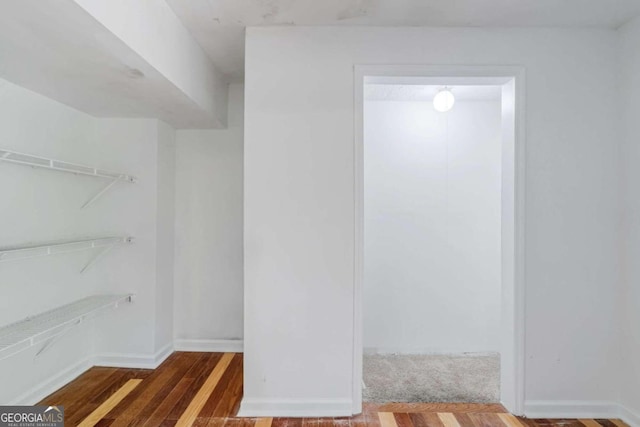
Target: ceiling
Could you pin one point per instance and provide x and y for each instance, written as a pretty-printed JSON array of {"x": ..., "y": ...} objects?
[
  {"x": 218, "y": 25},
  {"x": 57, "y": 49},
  {"x": 425, "y": 93},
  {"x": 83, "y": 65}
]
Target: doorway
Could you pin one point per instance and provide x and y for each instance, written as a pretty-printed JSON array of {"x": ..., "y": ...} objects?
[{"x": 420, "y": 192}]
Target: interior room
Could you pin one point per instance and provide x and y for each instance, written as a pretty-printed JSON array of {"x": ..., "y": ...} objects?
[
  {"x": 432, "y": 208},
  {"x": 296, "y": 213}
]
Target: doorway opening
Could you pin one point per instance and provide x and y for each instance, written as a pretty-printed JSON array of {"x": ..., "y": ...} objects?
[{"x": 438, "y": 311}]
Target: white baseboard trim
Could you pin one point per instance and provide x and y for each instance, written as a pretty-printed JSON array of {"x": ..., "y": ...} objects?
[
  {"x": 580, "y": 409},
  {"x": 58, "y": 381},
  {"x": 61, "y": 379},
  {"x": 212, "y": 346},
  {"x": 570, "y": 409},
  {"x": 137, "y": 361},
  {"x": 295, "y": 408},
  {"x": 630, "y": 417},
  {"x": 372, "y": 351}
]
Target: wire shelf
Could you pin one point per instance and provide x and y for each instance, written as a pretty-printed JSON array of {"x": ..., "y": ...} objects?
[
  {"x": 46, "y": 326},
  {"x": 58, "y": 165},
  {"x": 32, "y": 250}
]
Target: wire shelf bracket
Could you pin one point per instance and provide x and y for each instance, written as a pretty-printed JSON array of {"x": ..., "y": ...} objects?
[
  {"x": 46, "y": 328},
  {"x": 64, "y": 247},
  {"x": 61, "y": 166}
]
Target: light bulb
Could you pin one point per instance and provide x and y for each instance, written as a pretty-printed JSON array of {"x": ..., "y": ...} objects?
[{"x": 443, "y": 101}]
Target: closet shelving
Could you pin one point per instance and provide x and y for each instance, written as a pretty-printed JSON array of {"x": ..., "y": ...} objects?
[
  {"x": 62, "y": 247},
  {"x": 46, "y": 327},
  {"x": 61, "y": 166}
]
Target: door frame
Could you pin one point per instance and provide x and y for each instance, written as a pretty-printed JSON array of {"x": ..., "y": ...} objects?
[{"x": 512, "y": 79}]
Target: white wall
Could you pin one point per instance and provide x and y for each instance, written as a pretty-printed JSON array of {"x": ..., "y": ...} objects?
[
  {"x": 299, "y": 205},
  {"x": 134, "y": 143},
  {"x": 209, "y": 258},
  {"x": 41, "y": 205},
  {"x": 165, "y": 249},
  {"x": 630, "y": 296},
  {"x": 432, "y": 227}
]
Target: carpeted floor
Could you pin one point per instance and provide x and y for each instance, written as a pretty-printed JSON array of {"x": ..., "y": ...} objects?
[{"x": 432, "y": 378}]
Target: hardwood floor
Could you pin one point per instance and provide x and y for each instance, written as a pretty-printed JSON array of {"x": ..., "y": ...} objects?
[{"x": 204, "y": 389}]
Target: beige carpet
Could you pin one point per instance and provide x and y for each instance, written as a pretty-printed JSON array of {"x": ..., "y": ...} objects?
[{"x": 432, "y": 378}]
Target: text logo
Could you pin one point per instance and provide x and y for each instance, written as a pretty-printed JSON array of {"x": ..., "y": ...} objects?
[{"x": 31, "y": 416}]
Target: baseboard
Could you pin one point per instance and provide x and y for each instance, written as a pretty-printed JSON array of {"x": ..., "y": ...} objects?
[
  {"x": 137, "y": 361},
  {"x": 384, "y": 351},
  {"x": 296, "y": 408},
  {"x": 212, "y": 346},
  {"x": 630, "y": 417},
  {"x": 580, "y": 409},
  {"x": 61, "y": 379}
]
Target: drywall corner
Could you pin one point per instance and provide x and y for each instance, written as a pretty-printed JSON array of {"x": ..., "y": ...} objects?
[
  {"x": 629, "y": 297},
  {"x": 165, "y": 232}
]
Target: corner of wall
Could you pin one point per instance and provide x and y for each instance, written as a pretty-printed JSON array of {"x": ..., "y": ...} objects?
[
  {"x": 629, "y": 294},
  {"x": 165, "y": 234}
]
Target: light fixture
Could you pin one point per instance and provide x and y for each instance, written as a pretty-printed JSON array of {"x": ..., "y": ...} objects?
[{"x": 444, "y": 100}]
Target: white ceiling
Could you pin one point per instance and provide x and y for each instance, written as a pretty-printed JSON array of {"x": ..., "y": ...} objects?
[
  {"x": 218, "y": 25},
  {"x": 425, "y": 93},
  {"x": 58, "y": 50}
]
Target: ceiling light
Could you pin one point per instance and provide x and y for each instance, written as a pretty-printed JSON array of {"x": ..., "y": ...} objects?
[{"x": 444, "y": 100}]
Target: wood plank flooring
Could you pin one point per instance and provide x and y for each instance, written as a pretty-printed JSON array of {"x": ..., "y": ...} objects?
[{"x": 204, "y": 389}]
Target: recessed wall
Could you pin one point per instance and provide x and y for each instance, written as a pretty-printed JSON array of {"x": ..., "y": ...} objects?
[
  {"x": 432, "y": 223},
  {"x": 208, "y": 294}
]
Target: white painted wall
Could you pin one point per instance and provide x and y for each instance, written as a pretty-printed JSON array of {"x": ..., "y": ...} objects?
[
  {"x": 165, "y": 249},
  {"x": 208, "y": 253},
  {"x": 299, "y": 205},
  {"x": 630, "y": 231},
  {"x": 432, "y": 227},
  {"x": 134, "y": 143},
  {"x": 41, "y": 205}
]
